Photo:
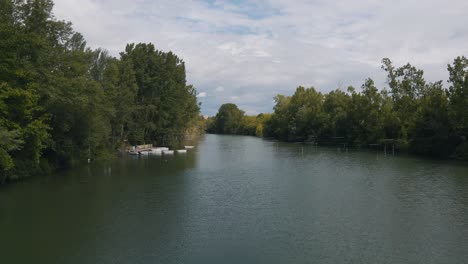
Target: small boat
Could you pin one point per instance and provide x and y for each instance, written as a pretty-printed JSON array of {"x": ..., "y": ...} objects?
[
  {"x": 181, "y": 151},
  {"x": 144, "y": 152},
  {"x": 161, "y": 148},
  {"x": 133, "y": 153},
  {"x": 156, "y": 151},
  {"x": 168, "y": 152},
  {"x": 189, "y": 147}
]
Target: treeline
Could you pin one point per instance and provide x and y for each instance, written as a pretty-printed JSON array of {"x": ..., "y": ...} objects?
[
  {"x": 231, "y": 120},
  {"x": 412, "y": 114},
  {"x": 62, "y": 102}
]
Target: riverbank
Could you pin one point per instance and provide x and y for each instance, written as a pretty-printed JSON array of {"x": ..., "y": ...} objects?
[
  {"x": 388, "y": 147},
  {"x": 192, "y": 137}
]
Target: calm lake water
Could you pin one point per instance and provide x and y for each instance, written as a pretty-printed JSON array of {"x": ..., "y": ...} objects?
[{"x": 240, "y": 199}]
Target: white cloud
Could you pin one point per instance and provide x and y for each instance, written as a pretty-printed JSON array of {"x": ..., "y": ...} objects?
[
  {"x": 275, "y": 45},
  {"x": 219, "y": 89},
  {"x": 202, "y": 95},
  {"x": 252, "y": 112}
]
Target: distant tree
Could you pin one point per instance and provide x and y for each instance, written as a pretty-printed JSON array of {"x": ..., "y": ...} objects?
[
  {"x": 407, "y": 84},
  {"x": 412, "y": 113},
  {"x": 458, "y": 95},
  {"x": 280, "y": 123},
  {"x": 336, "y": 106},
  {"x": 261, "y": 123},
  {"x": 248, "y": 125},
  {"x": 229, "y": 119},
  {"x": 458, "y": 103},
  {"x": 432, "y": 124}
]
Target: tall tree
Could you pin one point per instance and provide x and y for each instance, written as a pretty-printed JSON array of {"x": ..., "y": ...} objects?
[
  {"x": 229, "y": 119},
  {"x": 407, "y": 84},
  {"x": 165, "y": 104},
  {"x": 458, "y": 103}
]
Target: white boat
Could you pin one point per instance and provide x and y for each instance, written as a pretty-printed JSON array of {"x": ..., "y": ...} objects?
[
  {"x": 161, "y": 148},
  {"x": 156, "y": 151},
  {"x": 168, "y": 152},
  {"x": 181, "y": 151},
  {"x": 144, "y": 152},
  {"x": 189, "y": 147},
  {"x": 133, "y": 153}
]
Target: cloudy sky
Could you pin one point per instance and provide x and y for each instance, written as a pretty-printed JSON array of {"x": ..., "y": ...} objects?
[{"x": 246, "y": 52}]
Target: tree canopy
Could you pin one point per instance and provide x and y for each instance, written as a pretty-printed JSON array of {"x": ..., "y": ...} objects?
[
  {"x": 411, "y": 114},
  {"x": 62, "y": 102},
  {"x": 231, "y": 120}
]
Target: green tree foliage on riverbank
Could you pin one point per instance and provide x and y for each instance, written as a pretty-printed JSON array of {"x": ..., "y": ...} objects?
[
  {"x": 422, "y": 117},
  {"x": 62, "y": 102},
  {"x": 231, "y": 120},
  {"x": 412, "y": 114}
]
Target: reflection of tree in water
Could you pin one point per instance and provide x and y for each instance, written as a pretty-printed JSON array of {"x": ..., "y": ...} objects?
[{"x": 95, "y": 213}]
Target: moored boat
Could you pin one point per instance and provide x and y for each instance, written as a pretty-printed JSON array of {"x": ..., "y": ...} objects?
[
  {"x": 161, "y": 148},
  {"x": 156, "y": 151}
]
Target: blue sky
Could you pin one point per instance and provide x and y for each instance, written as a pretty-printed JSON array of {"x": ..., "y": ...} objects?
[{"x": 246, "y": 52}]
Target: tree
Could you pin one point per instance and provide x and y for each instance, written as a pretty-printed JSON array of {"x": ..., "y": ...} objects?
[
  {"x": 335, "y": 107},
  {"x": 432, "y": 124},
  {"x": 279, "y": 124},
  {"x": 458, "y": 95},
  {"x": 62, "y": 102},
  {"x": 458, "y": 103},
  {"x": 229, "y": 119},
  {"x": 407, "y": 84},
  {"x": 262, "y": 121},
  {"x": 306, "y": 110},
  {"x": 165, "y": 105},
  {"x": 23, "y": 130}
]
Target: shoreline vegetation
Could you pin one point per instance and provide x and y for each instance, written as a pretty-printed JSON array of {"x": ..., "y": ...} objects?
[
  {"x": 411, "y": 115},
  {"x": 62, "y": 103}
]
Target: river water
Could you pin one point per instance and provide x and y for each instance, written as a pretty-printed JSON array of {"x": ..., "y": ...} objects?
[{"x": 237, "y": 199}]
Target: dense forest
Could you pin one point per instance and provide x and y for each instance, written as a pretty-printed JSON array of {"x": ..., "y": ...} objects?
[
  {"x": 62, "y": 102},
  {"x": 410, "y": 115}
]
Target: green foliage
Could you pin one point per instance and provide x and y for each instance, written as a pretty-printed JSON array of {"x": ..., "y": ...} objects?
[
  {"x": 261, "y": 122},
  {"x": 231, "y": 120},
  {"x": 422, "y": 117},
  {"x": 165, "y": 105},
  {"x": 458, "y": 95},
  {"x": 228, "y": 120},
  {"x": 23, "y": 129},
  {"x": 458, "y": 103},
  {"x": 62, "y": 102},
  {"x": 432, "y": 125}
]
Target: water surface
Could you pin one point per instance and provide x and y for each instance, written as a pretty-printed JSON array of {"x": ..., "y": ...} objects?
[{"x": 240, "y": 199}]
